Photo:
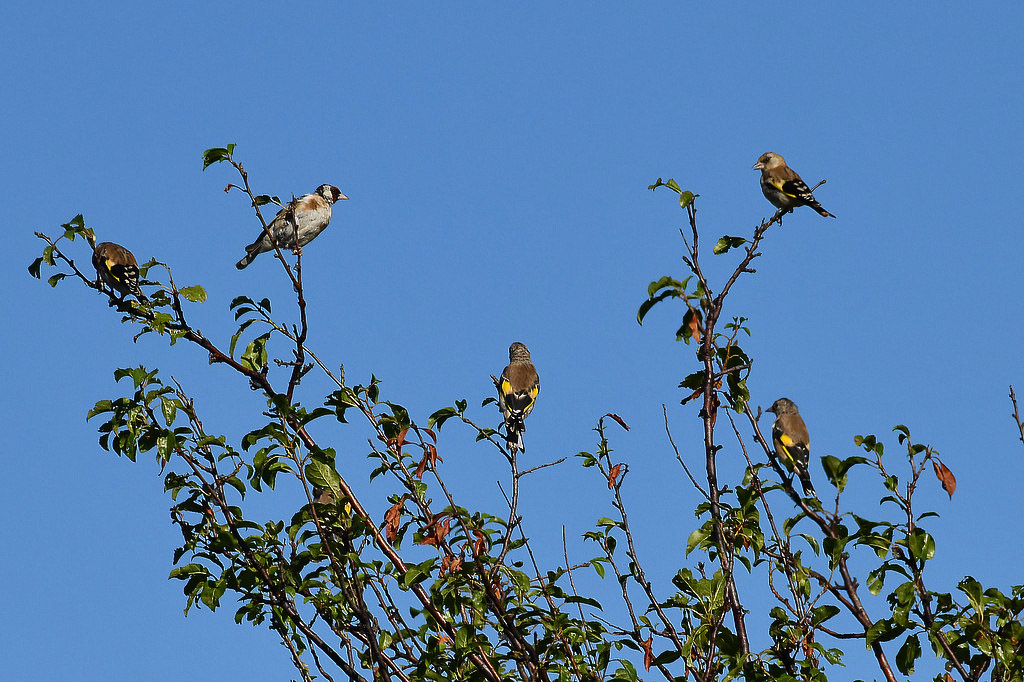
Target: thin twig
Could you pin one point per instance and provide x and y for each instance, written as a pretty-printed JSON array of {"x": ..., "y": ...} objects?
[{"x": 1016, "y": 415}]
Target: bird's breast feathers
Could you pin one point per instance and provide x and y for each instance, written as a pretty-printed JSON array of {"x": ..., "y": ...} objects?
[{"x": 312, "y": 204}]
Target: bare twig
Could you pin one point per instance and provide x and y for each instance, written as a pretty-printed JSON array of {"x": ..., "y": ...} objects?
[{"x": 1016, "y": 415}]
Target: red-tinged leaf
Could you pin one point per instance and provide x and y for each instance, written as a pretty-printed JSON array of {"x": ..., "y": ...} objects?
[
  {"x": 807, "y": 645},
  {"x": 479, "y": 543},
  {"x": 619, "y": 419},
  {"x": 437, "y": 530},
  {"x": 692, "y": 324},
  {"x": 429, "y": 457},
  {"x": 449, "y": 564},
  {"x": 430, "y": 432},
  {"x": 392, "y": 519},
  {"x": 695, "y": 394},
  {"x": 614, "y": 473},
  {"x": 715, "y": 402},
  {"x": 945, "y": 477},
  {"x": 648, "y": 654},
  {"x": 401, "y": 437}
]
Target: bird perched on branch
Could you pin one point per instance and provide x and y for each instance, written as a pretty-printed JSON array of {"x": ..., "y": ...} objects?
[
  {"x": 517, "y": 392},
  {"x": 792, "y": 442},
  {"x": 116, "y": 266},
  {"x": 783, "y": 187},
  {"x": 308, "y": 215}
]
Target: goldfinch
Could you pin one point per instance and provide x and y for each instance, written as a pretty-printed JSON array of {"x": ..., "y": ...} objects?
[
  {"x": 118, "y": 269},
  {"x": 783, "y": 187},
  {"x": 517, "y": 392},
  {"x": 311, "y": 213},
  {"x": 792, "y": 442}
]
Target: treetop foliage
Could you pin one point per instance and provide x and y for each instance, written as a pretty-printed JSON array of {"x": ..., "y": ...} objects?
[{"x": 435, "y": 590}]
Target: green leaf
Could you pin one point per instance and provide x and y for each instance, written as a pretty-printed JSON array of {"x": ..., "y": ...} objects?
[
  {"x": 921, "y": 545},
  {"x": 440, "y": 417},
  {"x": 417, "y": 573},
  {"x": 836, "y": 469},
  {"x": 321, "y": 474},
  {"x": 697, "y": 537},
  {"x": 170, "y": 409},
  {"x": 646, "y": 306},
  {"x": 904, "y": 432},
  {"x": 78, "y": 222},
  {"x": 685, "y": 198},
  {"x": 665, "y": 282},
  {"x": 810, "y": 539},
  {"x": 972, "y": 588},
  {"x": 883, "y": 631},
  {"x": 671, "y": 184},
  {"x": 194, "y": 293},
  {"x": 627, "y": 672},
  {"x": 216, "y": 155},
  {"x": 34, "y": 266},
  {"x": 255, "y": 355},
  {"x": 264, "y": 199},
  {"x": 908, "y": 654},
  {"x": 164, "y": 446},
  {"x": 726, "y": 243},
  {"x": 693, "y": 381},
  {"x": 101, "y": 407},
  {"x": 188, "y": 571},
  {"x": 822, "y": 613},
  {"x": 55, "y": 278}
]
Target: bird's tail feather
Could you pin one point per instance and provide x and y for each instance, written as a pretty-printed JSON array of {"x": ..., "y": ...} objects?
[
  {"x": 247, "y": 260},
  {"x": 813, "y": 203},
  {"x": 805, "y": 482},
  {"x": 515, "y": 425}
]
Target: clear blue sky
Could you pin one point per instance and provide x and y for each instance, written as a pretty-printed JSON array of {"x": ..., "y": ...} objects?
[{"x": 497, "y": 161}]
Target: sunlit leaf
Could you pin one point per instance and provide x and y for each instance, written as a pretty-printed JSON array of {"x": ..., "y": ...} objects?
[{"x": 194, "y": 293}]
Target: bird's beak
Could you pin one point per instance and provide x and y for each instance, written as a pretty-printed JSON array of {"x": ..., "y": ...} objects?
[
  {"x": 758, "y": 166},
  {"x": 341, "y": 196}
]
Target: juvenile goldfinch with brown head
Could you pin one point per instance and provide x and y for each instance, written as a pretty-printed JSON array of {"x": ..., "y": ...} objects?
[
  {"x": 117, "y": 268},
  {"x": 783, "y": 187},
  {"x": 792, "y": 442},
  {"x": 517, "y": 392}
]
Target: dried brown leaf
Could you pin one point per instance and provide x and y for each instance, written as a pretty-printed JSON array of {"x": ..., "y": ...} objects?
[
  {"x": 619, "y": 419},
  {"x": 695, "y": 326},
  {"x": 945, "y": 477},
  {"x": 613, "y": 475},
  {"x": 392, "y": 519},
  {"x": 648, "y": 654},
  {"x": 437, "y": 530},
  {"x": 479, "y": 543}
]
